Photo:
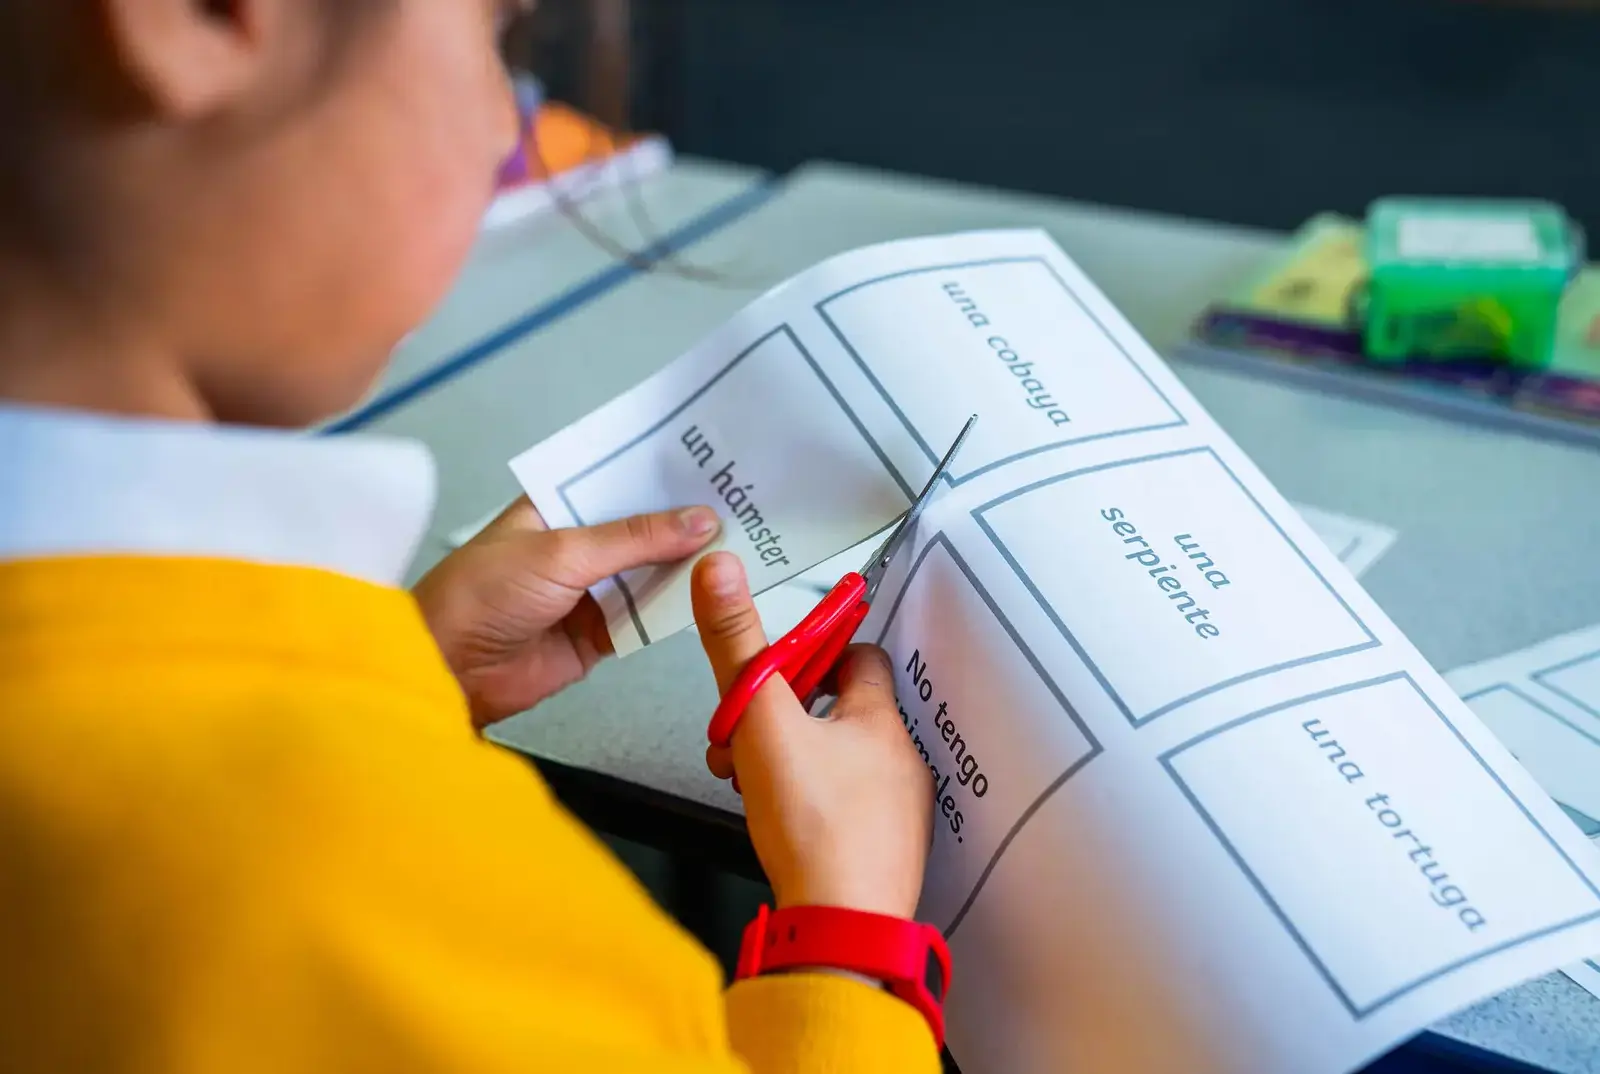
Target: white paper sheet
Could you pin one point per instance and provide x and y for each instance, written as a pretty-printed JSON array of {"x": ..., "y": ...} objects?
[
  {"x": 1199, "y": 805},
  {"x": 1544, "y": 704},
  {"x": 1357, "y": 542},
  {"x": 1586, "y": 974}
]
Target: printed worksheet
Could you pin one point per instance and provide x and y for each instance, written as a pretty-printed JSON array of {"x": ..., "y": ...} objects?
[
  {"x": 1357, "y": 542},
  {"x": 1587, "y": 975},
  {"x": 1199, "y": 805},
  {"x": 1544, "y": 703}
]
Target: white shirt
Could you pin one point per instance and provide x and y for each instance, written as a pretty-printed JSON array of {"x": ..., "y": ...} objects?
[{"x": 74, "y": 483}]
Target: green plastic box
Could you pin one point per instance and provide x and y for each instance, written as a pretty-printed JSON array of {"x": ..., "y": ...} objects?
[{"x": 1467, "y": 279}]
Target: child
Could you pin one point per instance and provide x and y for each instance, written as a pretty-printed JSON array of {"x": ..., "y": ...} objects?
[{"x": 245, "y": 822}]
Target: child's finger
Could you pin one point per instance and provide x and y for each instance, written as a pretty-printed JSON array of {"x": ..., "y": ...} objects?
[
  {"x": 586, "y": 626},
  {"x": 520, "y": 514},
  {"x": 865, "y": 684},
  {"x": 719, "y": 759}
]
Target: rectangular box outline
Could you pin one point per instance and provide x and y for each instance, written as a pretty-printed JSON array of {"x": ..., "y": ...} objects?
[
  {"x": 588, "y": 471},
  {"x": 1372, "y": 641},
  {"x": 1538, "y": 677},
  {"x": 1095, "y": 749},
  {"x": 1541, "y": 706},
  {"x": 1587, "y": 825},
  {"x": 934, "y": 456},
  {"x": 1357, "y": 1011},
  {"x": 1344, "y": 554},
  {"x": 1548, "y": 711}
]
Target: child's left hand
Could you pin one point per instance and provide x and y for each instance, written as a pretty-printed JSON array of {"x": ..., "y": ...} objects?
[{"x": 511, "y": 611}]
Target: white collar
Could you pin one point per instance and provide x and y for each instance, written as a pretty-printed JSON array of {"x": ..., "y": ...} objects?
[{"x": 73, "y": 482}]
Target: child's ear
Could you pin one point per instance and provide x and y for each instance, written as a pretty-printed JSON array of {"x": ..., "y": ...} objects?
[{"x": 192, "y": 57}]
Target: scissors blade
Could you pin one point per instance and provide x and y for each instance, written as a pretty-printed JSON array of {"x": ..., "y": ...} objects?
[{"x": 879, "y": 563}]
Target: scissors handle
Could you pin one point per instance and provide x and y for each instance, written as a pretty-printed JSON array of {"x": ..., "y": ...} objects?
[{"x": 804, "y": 656}]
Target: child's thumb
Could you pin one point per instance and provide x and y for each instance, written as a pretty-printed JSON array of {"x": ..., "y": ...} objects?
[{"x": 730, "y": 626}]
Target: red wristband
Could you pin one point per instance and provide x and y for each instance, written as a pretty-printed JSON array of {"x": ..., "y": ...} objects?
[{"x": 910, "y": 958}]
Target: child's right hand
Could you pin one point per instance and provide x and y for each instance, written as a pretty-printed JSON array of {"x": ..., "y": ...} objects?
[{"x": 840, "y": 809}]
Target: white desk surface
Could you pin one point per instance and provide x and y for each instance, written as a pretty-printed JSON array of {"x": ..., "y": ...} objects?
[
  {"x": 530, "y": 263},
  {"x": 643, "y": 719}
]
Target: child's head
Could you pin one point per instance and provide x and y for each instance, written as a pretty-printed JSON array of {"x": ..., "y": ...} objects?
[{"x": 236, "y": 207}]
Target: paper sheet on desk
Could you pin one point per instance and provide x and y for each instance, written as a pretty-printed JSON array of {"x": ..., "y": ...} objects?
[
  {"x": 1544, "y": 704},
  {"x": 1586, "y": 974},
  {"x": 1356, "y": 542},
  {"x": 1199, "y": 805}
]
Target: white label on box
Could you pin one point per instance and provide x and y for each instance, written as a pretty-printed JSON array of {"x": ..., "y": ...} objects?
[{"x": 1467, "y": 238}]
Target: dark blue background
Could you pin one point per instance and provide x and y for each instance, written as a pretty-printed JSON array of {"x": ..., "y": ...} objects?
[{"x": 1249, "y": 111}]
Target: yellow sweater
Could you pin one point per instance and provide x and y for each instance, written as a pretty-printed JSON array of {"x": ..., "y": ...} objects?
[{"x": 245, "y": 826}]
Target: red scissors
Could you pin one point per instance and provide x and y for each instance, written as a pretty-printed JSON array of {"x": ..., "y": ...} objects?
[{"x": 806, "y": 654}]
